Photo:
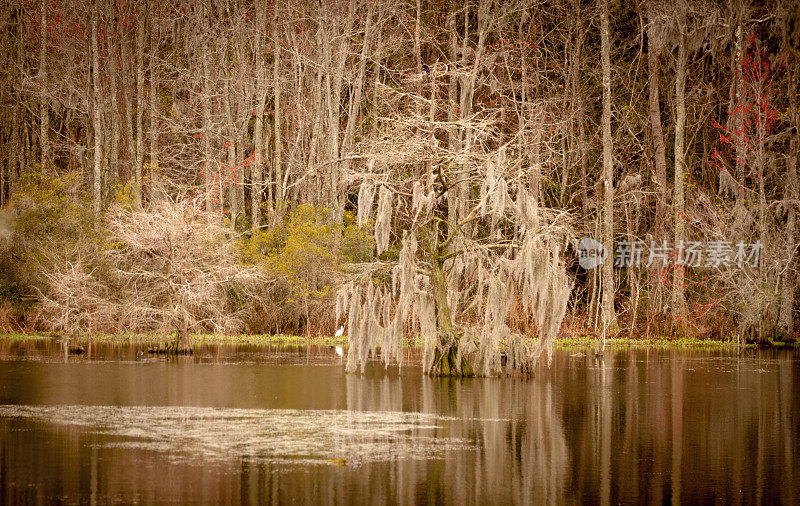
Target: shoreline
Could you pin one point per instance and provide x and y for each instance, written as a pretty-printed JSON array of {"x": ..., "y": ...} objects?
[{"x": 574, "y": 342}]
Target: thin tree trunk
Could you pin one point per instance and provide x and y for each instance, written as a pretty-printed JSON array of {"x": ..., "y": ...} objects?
[
  {"x": 786, "y": 319},
  {"x": 17, "y": 153},
  {"x": 237, "y": 189},
  {"x": 318, "y": 118},
  {"x": 16, "y": 138},
  {"x": 209, "y": 167},
  {"x": 678, "y": 302},
  {"x": 278, "y": 138},
  {"x": 112, "y": 171},
  {"x": 154, "y": 43},
  {"x": 578, "y": 105},
  {"x": 355, "y": 103},
  {"x": 258, "y": 154},
  {"x": 331, "y": 130},
  {"x": 568, "y": 136},
  {"x": 44, "y": 105},
  {"x": 128, "y": 108},
  {"x": 453, "y": 140},
  {"x": 96, "y": 123},
  {"x": 659, "y": 152},
  {"x": 468, "y": 81},
  {"x": 335, "y": 109},
  {"x": 27, "y": 151},
  {"x": 609, "y": 315},
  {"x": 736, "y": 98},
  {"x": 137, "y": 179}
]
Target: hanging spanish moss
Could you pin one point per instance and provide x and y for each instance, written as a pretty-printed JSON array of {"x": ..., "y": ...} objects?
[{"x": 452, "y": 287}]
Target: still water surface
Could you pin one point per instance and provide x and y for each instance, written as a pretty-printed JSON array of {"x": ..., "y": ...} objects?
[{"x": 277, "y": 425}]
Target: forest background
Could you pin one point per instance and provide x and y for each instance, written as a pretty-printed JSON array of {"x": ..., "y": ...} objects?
[{"x": 267, "y": 167}]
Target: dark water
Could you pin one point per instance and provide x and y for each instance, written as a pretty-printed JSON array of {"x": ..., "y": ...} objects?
[{"x": 279, "y": 425}]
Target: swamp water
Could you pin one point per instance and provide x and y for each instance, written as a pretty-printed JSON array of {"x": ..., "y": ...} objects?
[{"x": 282, "y": 424}]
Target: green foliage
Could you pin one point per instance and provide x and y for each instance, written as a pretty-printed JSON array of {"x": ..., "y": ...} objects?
[
  {"x": 309, "y": 253},
  {"x": 122, "y": 195},
  {"x": 308, "y": 236},
  {"x": 51, "y": 207},
  {"x": 50, "y": 221}
]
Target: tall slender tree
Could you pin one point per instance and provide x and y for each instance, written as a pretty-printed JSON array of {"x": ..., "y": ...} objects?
[
  {"x": 96, "y": 120},
  {"x": 655, "y": 41},
  {"x": 678, "y": 300},
  {"x": 609, "y": 313},
  {"x": 44, "y": 102},
  {"x": 257, "y": 165},
  {"x": 278, "y": 110},
  {"x": 790, "y": 200}
]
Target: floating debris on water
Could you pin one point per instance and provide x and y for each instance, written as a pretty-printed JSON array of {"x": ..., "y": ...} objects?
[{"x": 284, "y": 436}]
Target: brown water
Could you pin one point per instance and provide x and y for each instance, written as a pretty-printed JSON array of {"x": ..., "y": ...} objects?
[{"x": 277, "y": 425}]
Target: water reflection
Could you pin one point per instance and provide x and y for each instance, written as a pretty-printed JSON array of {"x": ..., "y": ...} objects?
[{"x": 263, "y": 426}]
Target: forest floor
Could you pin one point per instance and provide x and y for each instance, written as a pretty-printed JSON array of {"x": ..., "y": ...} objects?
[{"x": 571, "y": 342}]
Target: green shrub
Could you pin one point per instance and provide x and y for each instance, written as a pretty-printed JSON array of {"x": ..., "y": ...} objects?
[
  {"x": 50, "y": 222},
  {"x": 309, "y": 254}
]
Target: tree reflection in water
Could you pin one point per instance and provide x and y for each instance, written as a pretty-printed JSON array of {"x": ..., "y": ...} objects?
[{"x": 647, "y": 426}]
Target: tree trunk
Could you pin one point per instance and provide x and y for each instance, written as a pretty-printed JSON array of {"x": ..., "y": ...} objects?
[
  {"x": 17, "y": 151},
  {"x": 609, "y": 314},
  {"x": 96, "y": 124},
  {"x": 258, "y": 152},
  {"x": 660, "y": 176},
  {"x": 445, "y": 361},
  {"x": 334, "y": 108},
  {"x": 112, "y": 170},
  {"x": 355, "y": 102},
  {"x": 678, "y": 301},
  {"x": 237, "y": 189},
  {"x": 278, "y": 138},
  {"x": 154, "y": 43},
  {"x": 137, "y": 178},
  {"x": 127, "y": 90},
  {"x": 453, "y": 140},
  {"x": 209, "y": 166},
  {"x": 16, "y": 138},
  {"x": 44, "y": 103},
  {"x": 786, "y": 319}
]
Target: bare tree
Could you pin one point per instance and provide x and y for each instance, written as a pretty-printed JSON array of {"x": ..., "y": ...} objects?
[
  {"x": 154, "y": 35},
  {"x": 655, "y": 42},
  {"x": 140, "y": 71},
  {"x": 678, "y": 301},
  {"x": 609, "y": 313},
  {"x": 172, "y": 271},
  {"x": 96, "y": 123},
  {"x": 459, "y": 283},
  {"x": 44, "y": 102},
  {"x": 791, "y": 193}
]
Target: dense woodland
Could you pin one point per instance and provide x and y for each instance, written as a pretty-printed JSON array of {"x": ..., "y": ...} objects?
[{"x": 414, "y": 170}]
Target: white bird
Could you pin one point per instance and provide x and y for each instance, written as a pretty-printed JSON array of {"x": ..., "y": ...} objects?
[{"x": 339, "y": 332}]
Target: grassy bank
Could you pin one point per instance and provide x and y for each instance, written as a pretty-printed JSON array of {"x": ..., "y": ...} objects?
[{"x": 572, "y": 342}]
